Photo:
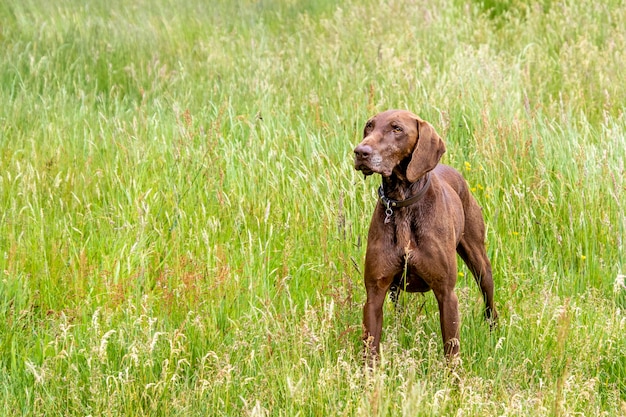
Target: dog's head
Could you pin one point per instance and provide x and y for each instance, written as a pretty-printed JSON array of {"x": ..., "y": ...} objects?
[{"x": 393, "y": 137}]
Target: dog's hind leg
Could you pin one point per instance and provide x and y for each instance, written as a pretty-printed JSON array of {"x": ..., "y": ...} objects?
[{"x": 471, "y": 248}]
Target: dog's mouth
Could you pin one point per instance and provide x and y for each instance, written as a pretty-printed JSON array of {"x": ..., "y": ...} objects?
[{"x": 365, "y": 170}]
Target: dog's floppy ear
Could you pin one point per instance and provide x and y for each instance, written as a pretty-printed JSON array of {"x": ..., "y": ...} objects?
[{"x": 427, "y": 152}]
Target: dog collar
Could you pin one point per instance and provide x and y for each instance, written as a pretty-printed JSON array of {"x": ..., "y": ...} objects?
[{"x": 390, "y": 204}]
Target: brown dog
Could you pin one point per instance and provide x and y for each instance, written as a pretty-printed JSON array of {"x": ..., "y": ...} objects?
[{"x": 425, "y": 215}]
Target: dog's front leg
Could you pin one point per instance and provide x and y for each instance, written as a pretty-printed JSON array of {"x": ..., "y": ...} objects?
[
  {"x": 449, "y": 321},
  {"x": 373, "y": 319}
]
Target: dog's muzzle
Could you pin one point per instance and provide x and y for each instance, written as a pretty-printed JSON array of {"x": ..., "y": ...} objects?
[{"x": 363, "y": 159}]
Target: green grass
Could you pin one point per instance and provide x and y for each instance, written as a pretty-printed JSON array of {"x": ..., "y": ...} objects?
[{"x": 182, "y": 231}]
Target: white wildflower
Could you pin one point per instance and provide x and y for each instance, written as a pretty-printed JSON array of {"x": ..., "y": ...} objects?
[
  {"x": 104, "y": 342},
  {"x": 619, "y": 283},
  {"x": 38, "y": 373}
]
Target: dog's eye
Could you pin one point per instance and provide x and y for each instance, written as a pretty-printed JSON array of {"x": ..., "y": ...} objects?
[{"x": 397, "y": 129}]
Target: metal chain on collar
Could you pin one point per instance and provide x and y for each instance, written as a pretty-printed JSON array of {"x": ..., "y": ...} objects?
[
  {"x": 389, "y": 203},
  {"x": 388, "y": 210}
]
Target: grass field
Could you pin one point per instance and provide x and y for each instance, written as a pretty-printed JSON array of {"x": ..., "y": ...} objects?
[{"x": 182, "y": 231}]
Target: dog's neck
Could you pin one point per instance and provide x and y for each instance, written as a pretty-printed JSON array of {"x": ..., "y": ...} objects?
[{"x": 397, "y": 187}]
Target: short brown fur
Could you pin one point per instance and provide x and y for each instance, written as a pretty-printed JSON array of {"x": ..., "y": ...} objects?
[{"x": 424, "y": 236}]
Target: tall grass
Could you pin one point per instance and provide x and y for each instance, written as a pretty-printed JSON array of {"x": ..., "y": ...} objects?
[{"x": 182, "y": 231}]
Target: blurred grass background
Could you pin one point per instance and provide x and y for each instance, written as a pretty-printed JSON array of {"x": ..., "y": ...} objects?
[{"x": 182, "y": 231}]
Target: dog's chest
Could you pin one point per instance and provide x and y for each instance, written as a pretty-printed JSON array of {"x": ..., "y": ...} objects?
[{"x": 407, "y": 229}]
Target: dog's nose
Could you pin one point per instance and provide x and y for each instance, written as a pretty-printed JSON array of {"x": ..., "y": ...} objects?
[{"x": 363, "y": 151}]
